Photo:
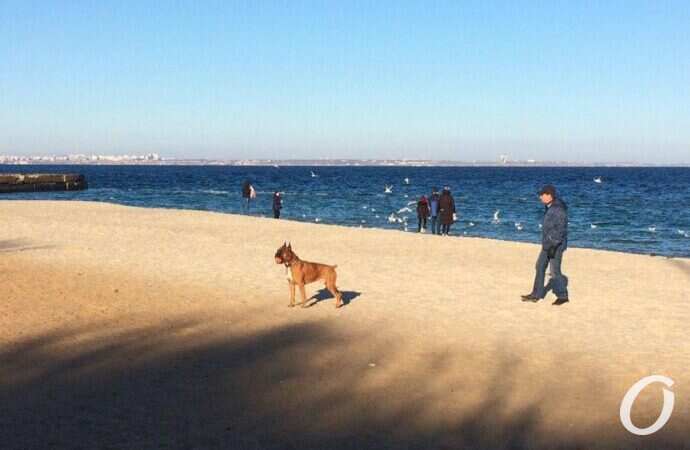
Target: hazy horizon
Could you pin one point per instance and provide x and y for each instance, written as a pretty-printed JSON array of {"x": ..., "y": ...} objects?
[{"x": 583, "y": 82}]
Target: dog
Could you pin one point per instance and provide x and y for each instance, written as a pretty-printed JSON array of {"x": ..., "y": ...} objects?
[{"x": 303, "y": 272}]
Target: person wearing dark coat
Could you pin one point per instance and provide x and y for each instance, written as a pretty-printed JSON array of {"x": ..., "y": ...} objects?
[
  {"x": 277, "y": 204},
  {"x": 554, "y": 242},
  {"x": 433, "y": 206},
  {"x": 422, "y": 213},
  {"x": 446, "y": 210},
  {"x": 246, "y": 194}
]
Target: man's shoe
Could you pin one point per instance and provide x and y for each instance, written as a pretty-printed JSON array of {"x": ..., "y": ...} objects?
[
  {"x": 560, "y": 301},
  {"x": 529, "y": 298}
]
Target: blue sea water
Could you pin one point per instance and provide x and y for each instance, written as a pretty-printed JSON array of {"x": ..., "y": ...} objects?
[{"x": 641, "y": 210}]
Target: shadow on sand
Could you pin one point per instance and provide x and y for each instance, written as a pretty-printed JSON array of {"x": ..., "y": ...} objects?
[
  {"x": 173, "y": 386},
  {"x": 20, "y": 245},
  {"x": 324, "y": 294},
  {"x": 682, "y": 265}
]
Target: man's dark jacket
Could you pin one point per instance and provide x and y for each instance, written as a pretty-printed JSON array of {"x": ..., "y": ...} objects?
[{"x": 555, "y": 227}]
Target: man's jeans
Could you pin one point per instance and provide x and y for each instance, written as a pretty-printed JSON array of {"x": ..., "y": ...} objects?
[
  {"x": 435, "y": 225},
  {"x": 558, "y": 281}
]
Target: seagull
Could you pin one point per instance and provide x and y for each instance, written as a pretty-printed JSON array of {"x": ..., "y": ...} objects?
[
  {"x": 317, "y": 220},
  {"x": 388, "y": 189},
  {"x": 313, "y": 175},
  {"x": 392, "y": 218},
  {"x": 471, "y": 224},
  {"x": 518, "y": 225},
  {"x": 406, "y": 180},
  {"x": 592, "y": 226},
  {"x": 651, "y": 229},
  {"x": 496, "y": 219},
  {"x": 597, "y": 180}
]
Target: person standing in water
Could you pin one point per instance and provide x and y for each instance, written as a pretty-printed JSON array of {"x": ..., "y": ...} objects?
[
  {"x": 554, "y": 242},
  {"x": 277, "y": 204},
  {"x": 446, "y": 209},
  {"x": 422, "y": 214},
  {"x": 433, "y": 206}
]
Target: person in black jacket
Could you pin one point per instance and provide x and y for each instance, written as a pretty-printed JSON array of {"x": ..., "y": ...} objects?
[
  {"x": 246, "y": 195},
  {"x": 553, "y": 243},
  {"x": 446, "y": 210},
  {"x": 422, "y": 214},
  {"x": 277, "y": 204}
]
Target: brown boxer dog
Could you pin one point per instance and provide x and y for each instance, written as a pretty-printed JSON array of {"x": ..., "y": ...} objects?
[{"x": 301, "y": 273}]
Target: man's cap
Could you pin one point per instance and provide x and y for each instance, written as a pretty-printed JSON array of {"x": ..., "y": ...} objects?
[{"x": 548, "y": 189}]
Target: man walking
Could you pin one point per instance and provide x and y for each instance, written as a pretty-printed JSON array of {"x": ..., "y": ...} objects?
[{"x": 553, "y": 243}]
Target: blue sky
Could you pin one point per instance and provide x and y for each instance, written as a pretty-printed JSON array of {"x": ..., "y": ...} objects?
[{"x": 577, "y": 81}]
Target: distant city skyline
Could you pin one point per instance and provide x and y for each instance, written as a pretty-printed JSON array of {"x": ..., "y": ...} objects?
[{"x": 461, "y": 81}]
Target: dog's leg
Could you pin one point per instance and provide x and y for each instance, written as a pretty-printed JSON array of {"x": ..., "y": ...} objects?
[
  {"x": 292, "y": 294},
  {"x": 330, "y": 285},
  {"x": 304, "y": 295}
]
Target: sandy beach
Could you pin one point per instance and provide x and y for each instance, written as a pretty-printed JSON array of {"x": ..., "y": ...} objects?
[{"x": 138, "y": 328}]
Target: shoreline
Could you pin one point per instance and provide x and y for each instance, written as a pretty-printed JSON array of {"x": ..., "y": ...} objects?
[
  {"x": 354, "y": 163},
  {"x": 298, "y": 220}
]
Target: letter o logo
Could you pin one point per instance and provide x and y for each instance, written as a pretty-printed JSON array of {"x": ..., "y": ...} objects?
[{"x": 631, "y": 396}]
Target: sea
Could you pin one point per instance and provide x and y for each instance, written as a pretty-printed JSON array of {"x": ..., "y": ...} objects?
[{"x": 629, "y": 209}]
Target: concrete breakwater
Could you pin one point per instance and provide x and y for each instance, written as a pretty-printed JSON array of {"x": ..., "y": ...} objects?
[{"x": 33, "y": 182}]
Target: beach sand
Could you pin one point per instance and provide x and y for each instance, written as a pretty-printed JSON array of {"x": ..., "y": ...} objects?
[{"x": 137, "y": 328}]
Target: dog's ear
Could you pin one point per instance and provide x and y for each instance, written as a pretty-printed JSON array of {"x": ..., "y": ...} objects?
[{"x": 288, "y": 245}]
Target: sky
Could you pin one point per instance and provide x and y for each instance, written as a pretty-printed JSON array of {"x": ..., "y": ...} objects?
[{"x": 571, "y": 81}]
